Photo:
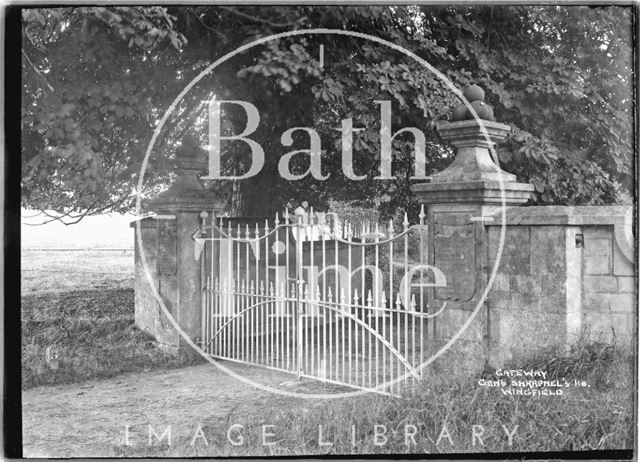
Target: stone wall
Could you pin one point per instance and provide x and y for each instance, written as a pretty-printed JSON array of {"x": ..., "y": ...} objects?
[
  {"x": 148, "y": 315},
  {"x": 563, "y": 270},
  {"x": 609, "y": 285}
]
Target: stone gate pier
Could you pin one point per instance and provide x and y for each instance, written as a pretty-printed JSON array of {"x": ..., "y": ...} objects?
[
  {"x": 562, "y": 270},
  {"x": 168, "y": 246}
]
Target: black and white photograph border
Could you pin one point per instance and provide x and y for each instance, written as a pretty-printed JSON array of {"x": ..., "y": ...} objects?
[{"x": 321, "y": 229}]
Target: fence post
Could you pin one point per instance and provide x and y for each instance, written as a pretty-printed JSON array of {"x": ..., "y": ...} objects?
[{"x": 299, "y": 284}]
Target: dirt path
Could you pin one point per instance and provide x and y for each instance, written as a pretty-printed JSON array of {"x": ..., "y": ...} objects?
[{"x": 89, "y": 419}]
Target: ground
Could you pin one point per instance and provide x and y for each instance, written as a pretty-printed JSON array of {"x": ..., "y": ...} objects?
[
  {"x": 107, "y": 375},
  {"x": 88, "y": 419}
]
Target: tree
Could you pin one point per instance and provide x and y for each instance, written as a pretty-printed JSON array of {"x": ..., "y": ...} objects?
[
  {"x": 97, "y": 80},
  {"x": 85, "y": 105}
]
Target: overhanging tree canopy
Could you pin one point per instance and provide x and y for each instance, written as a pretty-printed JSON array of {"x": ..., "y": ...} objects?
[{"x": 96, "y": 80}]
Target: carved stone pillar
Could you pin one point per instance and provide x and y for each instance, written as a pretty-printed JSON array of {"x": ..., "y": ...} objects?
[
  {"x": 457, "y": 201},
  {"x": 170, "y": 253}
]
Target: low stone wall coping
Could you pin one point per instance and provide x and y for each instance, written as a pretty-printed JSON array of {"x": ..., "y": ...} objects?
[
  {"x": 147, "y": 222},
  {"x": 563, "y": 215},
  {"x": 618, "y": 216}
]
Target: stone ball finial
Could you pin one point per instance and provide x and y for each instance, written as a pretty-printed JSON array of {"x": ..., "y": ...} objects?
[
  {"x": 300, "y": 210},
  {"x": 475, "y": 95}
]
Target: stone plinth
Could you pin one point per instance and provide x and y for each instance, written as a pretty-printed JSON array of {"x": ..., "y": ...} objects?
[
  {"x": 473, "y": 178},
  {"x": 473, "y": 192},
  {"x": 473, "y": 155},
  {"x": 168, "y": 244}
]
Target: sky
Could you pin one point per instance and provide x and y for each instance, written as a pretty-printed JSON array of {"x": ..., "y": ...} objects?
[{"x": 102, "y": 231}]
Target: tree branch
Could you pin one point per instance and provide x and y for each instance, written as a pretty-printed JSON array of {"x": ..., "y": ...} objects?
[
  {"x": 78, "y": 218},
  {"x": 218, "y": 33},
  {"x": 260, "y": 20},
  {"x": 32, "y": 216},
  {"x": 37, "y": 71}
]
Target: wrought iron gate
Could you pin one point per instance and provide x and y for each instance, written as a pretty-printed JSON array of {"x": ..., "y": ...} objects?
[{"x": 319, "y": 298}]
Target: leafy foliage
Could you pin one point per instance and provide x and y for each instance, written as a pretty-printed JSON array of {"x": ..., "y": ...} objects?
[
  {"x": 85, "y": 103},
  {"x": 98, "y": 79}
]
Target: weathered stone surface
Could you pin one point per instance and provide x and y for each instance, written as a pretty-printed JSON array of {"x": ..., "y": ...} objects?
[
  {"x": 597, "y": 232},
  {"x": 500, "y": 300},
  {"x": 451, "y": 320},
  {"x": 472, "y": 192},
  {"x": 622, "y": 263},
  {"x": 148, "y": 314},
  {"x": 501, "y": 283},
  {"x": 500, "y": 355},
  {"x": 623, "y": 326},
  {"x": 146, "y": 309},
  {"x": 169, "y": 293},
  {"x": 598, "y": 263},
  {"x": 563, "y": 215},
  {"x": 548, "y": 247},
  {"x": 167, "y": 250},
  {"x": 600, "y": 324},
  {"x": 603, "y": 302},
  {"x": 552, "y": 303},
  {"x": 527, "y": 331},
  {"x": 516, "y": 250},
  {"x": 523, "y": 301},
  {"x": 513, "y": 283},
  {"x": 597, "y": 251},
  {"x": 463, "y": 359},
  {"x": 551, "y": 284},
  {"x": 526, "y": 284},
  {"x": 454, "y": 249},
  {"x": 610, "y": 327},
  {"x": 627, "y": 284},
  {"x": 188, "y": 276},
  {"x": 473, "y": 158},
  {"x": 600, "y": 283}
]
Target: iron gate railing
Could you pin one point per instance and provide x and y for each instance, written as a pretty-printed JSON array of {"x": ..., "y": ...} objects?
[{"x": 320, "y": 299}]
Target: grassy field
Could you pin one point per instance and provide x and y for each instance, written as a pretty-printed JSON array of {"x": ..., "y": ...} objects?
[
  {"x": 80, "y": 306},
  {"x": 54, "y": 271}
]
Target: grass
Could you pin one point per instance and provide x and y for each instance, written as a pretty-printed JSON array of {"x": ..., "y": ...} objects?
[
  {"x": 45, "y": 272},
  {"x": 91, "y": 334},
  {"x": 80, "y": 306},
  {"x": 597, "y": 417},
  {"x": 589, "y": 357}
]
